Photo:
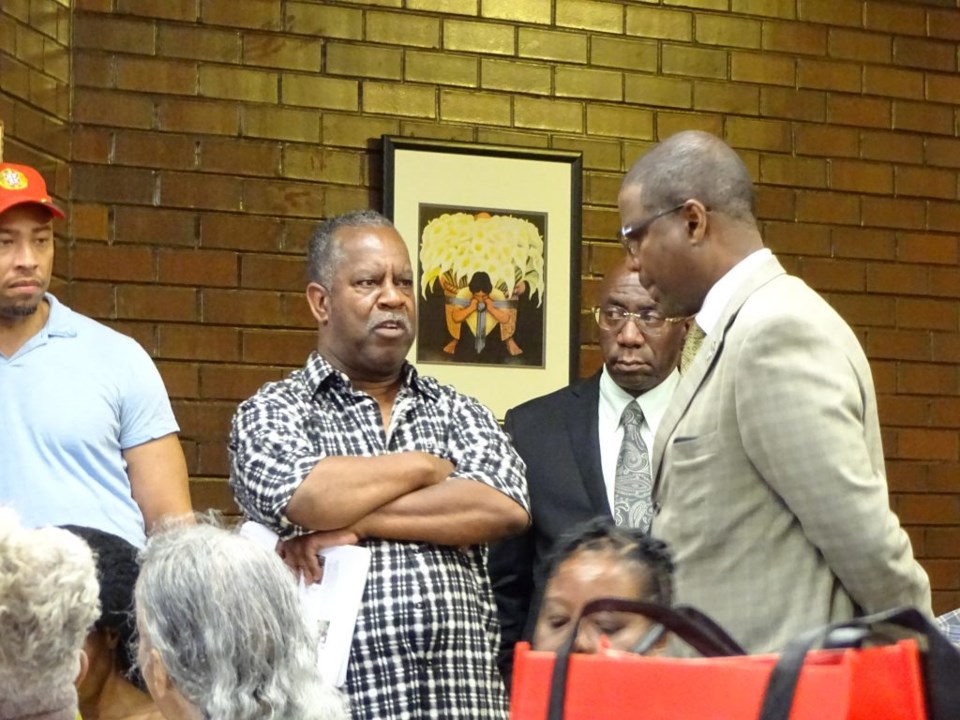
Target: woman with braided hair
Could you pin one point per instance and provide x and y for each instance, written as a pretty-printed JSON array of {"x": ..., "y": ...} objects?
[{"x": 599, "y": 559}]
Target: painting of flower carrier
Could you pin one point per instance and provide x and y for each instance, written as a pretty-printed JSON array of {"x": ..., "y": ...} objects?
[
  {"x": 493, "y": 234},
  {"x": 481, "y": 286}
]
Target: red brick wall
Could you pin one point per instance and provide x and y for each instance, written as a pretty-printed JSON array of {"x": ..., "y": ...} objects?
[
  {"x": 34, "y": 87},
  {"x": 207, "y": 135}
]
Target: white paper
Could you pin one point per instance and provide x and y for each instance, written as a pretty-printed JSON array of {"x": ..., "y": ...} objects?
[{"x": 332, "y": 605}]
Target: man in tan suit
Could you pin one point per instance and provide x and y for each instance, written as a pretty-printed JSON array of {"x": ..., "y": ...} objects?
[{"x": 768, "y": 465}]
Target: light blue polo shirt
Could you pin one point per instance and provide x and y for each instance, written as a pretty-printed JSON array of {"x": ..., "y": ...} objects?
[{"x": 72, "y": 399}]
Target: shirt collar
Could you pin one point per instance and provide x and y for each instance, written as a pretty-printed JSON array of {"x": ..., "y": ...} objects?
[
  {"x": 724, "y": 289},
  {"x": 319, "y": 373},
  {"x": 653, "y": 402},
  {"x": 60, "y": 322}
]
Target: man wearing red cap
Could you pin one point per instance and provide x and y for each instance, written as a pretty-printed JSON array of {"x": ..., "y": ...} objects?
[{"x": 87, "y": 435}]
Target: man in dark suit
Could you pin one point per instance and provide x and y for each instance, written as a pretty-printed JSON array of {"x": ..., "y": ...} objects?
[{"x": 571, "y": 441}]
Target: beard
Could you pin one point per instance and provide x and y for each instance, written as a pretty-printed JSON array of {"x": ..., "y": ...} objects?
[{"x": 18, "y": 311}]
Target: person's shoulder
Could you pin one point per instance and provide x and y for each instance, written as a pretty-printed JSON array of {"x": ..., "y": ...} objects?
[
  {"x": 433, "y": 389},
  {"x": 109, "y": 340},
  {"x": 556, "y": 401},
  {"x": 290, "y": 385},
  {"x": 288, "y": 391},
  {"x": 787, "y": 299},
  {"x": 446, "y": 398}
]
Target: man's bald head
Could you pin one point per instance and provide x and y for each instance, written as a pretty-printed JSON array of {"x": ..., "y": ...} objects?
[{"x": 693, "y": 165}]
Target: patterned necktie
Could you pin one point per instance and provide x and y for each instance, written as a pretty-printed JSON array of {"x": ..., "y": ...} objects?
[
  {"x": 633, "y": 484},
  {"x": 692, "y": 343}
]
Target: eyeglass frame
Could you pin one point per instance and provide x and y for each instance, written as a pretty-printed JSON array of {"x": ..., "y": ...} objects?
[
  {"x": 640, "y": 319},
  {"x": 632, "y": 235}
]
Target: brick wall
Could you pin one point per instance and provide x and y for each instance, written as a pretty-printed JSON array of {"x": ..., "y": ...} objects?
[
  {"x": 208, "y": 135},
  {"x": 34, "y": 86}
]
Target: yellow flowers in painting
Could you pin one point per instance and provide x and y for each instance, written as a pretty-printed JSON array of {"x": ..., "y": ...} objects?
[{"x": 455, "y": 246}]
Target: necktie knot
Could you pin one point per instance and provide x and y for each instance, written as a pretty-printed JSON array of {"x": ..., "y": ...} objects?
[
  {"x": 691, "y": 345},
  {"x": 632, "y": 416}
]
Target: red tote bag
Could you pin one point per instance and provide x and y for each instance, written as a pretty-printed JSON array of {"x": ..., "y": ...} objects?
[
  {"x": 881, "y": 683},
  {"x": 877, "y": 683}
]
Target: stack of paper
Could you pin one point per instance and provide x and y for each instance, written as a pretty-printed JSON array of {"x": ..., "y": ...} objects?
[{"x": 332, "y": 605}]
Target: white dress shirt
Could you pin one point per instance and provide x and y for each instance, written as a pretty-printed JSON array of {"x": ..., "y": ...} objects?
[{"x": 613, "y": 399}]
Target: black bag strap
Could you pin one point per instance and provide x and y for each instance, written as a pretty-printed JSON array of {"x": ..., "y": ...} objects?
[
  {"x": 940, "y": 661},
  {"x": 697, "y": 629}
]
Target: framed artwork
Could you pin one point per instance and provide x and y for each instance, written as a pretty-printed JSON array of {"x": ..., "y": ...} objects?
[{"x": 494, "y": 238}]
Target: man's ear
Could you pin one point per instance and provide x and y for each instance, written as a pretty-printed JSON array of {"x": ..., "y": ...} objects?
[
  {"x": 318, "y": 299},
  {"x": 695, "y": 216},
  {"x": 84, "y": 666}
]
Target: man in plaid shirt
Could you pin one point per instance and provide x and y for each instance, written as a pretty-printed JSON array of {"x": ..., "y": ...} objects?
[
  {"x": 357, "y": 447},
  {"x": 949, "y": 625}
]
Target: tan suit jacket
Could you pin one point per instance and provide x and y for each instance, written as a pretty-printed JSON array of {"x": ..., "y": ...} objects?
[{"x": 770, "y": 474}]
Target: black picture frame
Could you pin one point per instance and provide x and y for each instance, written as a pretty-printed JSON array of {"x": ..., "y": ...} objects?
[{"x": 473, "y": 216}]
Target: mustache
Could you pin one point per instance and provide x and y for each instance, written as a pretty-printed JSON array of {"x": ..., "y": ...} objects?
[{"x": 399, "y": 318}]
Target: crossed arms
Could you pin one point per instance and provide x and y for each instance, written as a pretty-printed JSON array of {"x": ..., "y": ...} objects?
[
  {"x": 403, "y": 496},
  {"x": 291, "y": 475}
]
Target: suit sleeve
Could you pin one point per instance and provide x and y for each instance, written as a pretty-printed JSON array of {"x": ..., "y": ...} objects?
[
  {"x": 806, "y": 411},
  {"x": 511, "y": 574}
]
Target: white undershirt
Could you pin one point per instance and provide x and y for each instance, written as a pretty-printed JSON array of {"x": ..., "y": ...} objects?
[{"x": 613, "y": 399}]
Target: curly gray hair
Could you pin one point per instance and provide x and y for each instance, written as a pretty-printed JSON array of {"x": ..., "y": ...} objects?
[
  {"x": 49, "y": 600},
  {"x": 224, "y": 617}
]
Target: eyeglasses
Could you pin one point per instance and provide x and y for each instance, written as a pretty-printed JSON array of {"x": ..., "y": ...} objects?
[
  {"x": 612, "y": 319},
  {"x": 632, "y": 235}
]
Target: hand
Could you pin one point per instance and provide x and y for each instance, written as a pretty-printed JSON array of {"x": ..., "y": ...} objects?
[
  {"x": 300, "y": 553},
  {"x": 448, "y": 287}
]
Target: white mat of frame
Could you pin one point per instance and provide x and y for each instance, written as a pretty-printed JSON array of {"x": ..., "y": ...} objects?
[{"x": 332, "y": 605}]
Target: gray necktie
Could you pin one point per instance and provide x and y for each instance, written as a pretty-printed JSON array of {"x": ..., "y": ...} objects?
[
  {"x": 691, "y": 345},
  {"x": 633, "y": 484}
]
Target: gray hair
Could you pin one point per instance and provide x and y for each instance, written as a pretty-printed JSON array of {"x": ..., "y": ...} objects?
[
  {"x": 324, "y": 255},
  {"x": 49, "y": 600},
  {"x": 224, "y": 616},
  {"x": 694, "y": 165}
]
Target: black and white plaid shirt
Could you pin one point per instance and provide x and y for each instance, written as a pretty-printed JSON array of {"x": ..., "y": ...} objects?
[
  {"x": 427, "y": 634},
  {"x": 949, "y": 625}
]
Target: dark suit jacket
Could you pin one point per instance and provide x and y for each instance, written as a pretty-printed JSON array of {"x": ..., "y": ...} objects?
[{"x": 558, "y": 438}]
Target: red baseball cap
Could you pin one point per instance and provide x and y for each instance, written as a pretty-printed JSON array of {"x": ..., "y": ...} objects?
[{"x": 20, "y": 184}]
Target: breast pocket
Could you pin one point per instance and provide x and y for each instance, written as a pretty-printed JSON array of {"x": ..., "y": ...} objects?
[{"x": 691, "y": 452}]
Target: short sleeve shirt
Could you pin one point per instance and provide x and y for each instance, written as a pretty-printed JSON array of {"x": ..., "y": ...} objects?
[{"x": 72, "y": 399}]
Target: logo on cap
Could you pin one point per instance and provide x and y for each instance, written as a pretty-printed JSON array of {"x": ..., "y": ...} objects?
[{"x": 11, "y": 179}]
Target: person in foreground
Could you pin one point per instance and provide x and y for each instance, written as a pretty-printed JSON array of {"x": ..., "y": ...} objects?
[
  {"x": 112, "y": 687},
  {"x": 222, "y": 632},
  {"x": 598, "y": 559},
  {"x": 89, "y": 436},
  {"x": 768, "y": 464},
  {"x": 587, "y": 446},
  {"x": 360, "y": 447},
  {"x": 48, "y": 602}
]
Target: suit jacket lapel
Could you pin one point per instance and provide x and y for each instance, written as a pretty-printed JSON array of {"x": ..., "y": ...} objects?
[
  {"x": 583, "y": 427},
  {"x": 700, "y": 367}
]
